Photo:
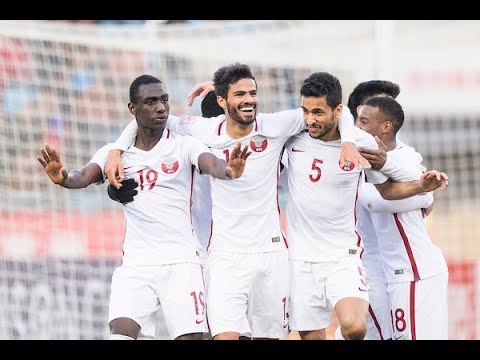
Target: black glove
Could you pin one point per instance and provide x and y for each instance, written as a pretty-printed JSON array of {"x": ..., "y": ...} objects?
[{"x": 125, "y": 194}]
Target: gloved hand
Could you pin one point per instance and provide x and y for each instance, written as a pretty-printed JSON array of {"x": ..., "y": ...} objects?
[{"x": 125, "y": 194}]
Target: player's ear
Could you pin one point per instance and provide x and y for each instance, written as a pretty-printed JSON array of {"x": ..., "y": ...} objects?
[
  {"x": 359, "y": 107},
  {"x": 222, "y": 102},
  {"x": 338, "y": 111},
  {"x": 387, "y": 126},
  {"x": 132, "y": 109}
]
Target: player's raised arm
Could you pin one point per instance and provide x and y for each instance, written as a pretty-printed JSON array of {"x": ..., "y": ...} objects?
[
  {"x": 220, "y": 169},
  {"x": 74, "y": 179},
  {"x": 200, "y": 89}
]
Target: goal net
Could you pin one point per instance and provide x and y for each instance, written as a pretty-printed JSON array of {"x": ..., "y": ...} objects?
[{"x": 67, "y": 85}]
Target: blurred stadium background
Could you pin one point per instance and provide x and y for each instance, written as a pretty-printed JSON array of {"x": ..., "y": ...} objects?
[{"x": 66, "y": 83}]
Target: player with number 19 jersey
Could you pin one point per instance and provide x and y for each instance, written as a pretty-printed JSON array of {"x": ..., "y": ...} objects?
[
  {"x": 158, "y": 227},
  {"x": 161, "y": 264}
]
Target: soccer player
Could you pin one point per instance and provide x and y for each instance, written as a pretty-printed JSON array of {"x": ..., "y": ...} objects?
[
  {"x": 379, "y": 324},
  {"x": 247, "y": 262},
  {"x": 160, "y": 265},
  {"x": 201, "y": 197},
  {"x": 325, "y": 266},
  {"x": 415, "y": 269}
]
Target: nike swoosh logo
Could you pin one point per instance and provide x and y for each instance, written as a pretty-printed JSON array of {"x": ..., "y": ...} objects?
[
  {"x": 285, "y": 325},
  {"x": 359, "y": 288},
  {"x": 296, "y": 150},
  {"x": 199, "y": 321}
]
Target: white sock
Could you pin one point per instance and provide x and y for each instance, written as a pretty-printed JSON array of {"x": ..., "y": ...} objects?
[
  {"x": 338, "y": 334},
  {"x": 119, "y": 337}
]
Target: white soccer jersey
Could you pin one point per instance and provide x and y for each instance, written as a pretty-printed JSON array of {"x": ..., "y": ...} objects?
[
  {"x": 405, "y": 245},
  {"x": 322, "y": 197},
  {"x": 158, "y": 227},
  {"x": 245, "y": 213}
]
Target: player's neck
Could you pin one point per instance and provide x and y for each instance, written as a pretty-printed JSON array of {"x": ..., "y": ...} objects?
[
  {"x": 236, "y": 130},
  {"x": 391, "y": 143},
  {"x": 333, "y": 135},
  {"x": 147, "y": 138}
]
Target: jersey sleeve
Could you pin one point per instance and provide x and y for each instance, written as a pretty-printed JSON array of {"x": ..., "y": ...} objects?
[
  {"x": 127, "y": 137},
  {"x": 100, "y": 158},
  {"x": 403, "y": 165},
  {"x": 376, "y": 203},
  {"x": 346, "y": 126},
  {"x": 281, "y": 124},
  {"x": 194, "y": 148},
  {"x": 198, "y": 127}
]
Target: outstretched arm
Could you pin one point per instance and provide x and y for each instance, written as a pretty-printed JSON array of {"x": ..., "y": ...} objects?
[
  {"x": 74, "y": 179},
  {"x": 219, "y": 168},
  {"x": 378, "y": 204},
  {"x": 429, "y": 181}
]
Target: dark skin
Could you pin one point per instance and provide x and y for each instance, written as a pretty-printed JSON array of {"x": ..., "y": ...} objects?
[{"x": 151, "y": 112}]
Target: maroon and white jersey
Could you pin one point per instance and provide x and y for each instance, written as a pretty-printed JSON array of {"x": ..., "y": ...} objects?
[
  {"x": 158, "y": 228},
  {"x": 322, "y": 197},
  {"x": 406, "y": 248}
]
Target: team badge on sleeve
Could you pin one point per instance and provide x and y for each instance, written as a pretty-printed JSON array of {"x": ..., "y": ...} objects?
[
  {"x": 258, "y": 143},
  {"x": 187, "y": 119},
  {"x": 170, "y": 165}
]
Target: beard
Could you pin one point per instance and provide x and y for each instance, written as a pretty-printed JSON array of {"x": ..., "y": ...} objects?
[
  {"x": 320, "y": 131},
  {"x": 238, "y": 117}
]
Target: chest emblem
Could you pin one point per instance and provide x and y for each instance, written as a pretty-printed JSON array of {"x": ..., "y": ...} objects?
[
  {"x": 170, "y": 165},
  {"x": 258, "y": 143}
]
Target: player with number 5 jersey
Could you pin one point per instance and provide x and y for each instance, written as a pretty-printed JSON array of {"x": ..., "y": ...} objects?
[{"x": 325, "y": 267}]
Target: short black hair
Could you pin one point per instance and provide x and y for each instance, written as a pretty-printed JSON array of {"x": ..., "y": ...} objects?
[
  {"x": 141, "y": 80},
  {"x": 367, "y": 89},
  {"x": 210, "y": 107},
  {"x": 323, "y": 84},
  {"x": 230, "y": 74},
  {"x": 390, "y": 108}
]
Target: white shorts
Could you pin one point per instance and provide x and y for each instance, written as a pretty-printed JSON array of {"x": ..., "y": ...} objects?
[
  {"x": 315, "y": 288},
  {"x": 138, "y": 292},
  {"x": 248, "y": 293},
  {"x": 419, "y": 308},
  {"x": 379, "y": 321}
]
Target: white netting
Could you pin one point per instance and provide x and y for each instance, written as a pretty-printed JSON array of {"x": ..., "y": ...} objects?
[{"x": 67, "y": 85}]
